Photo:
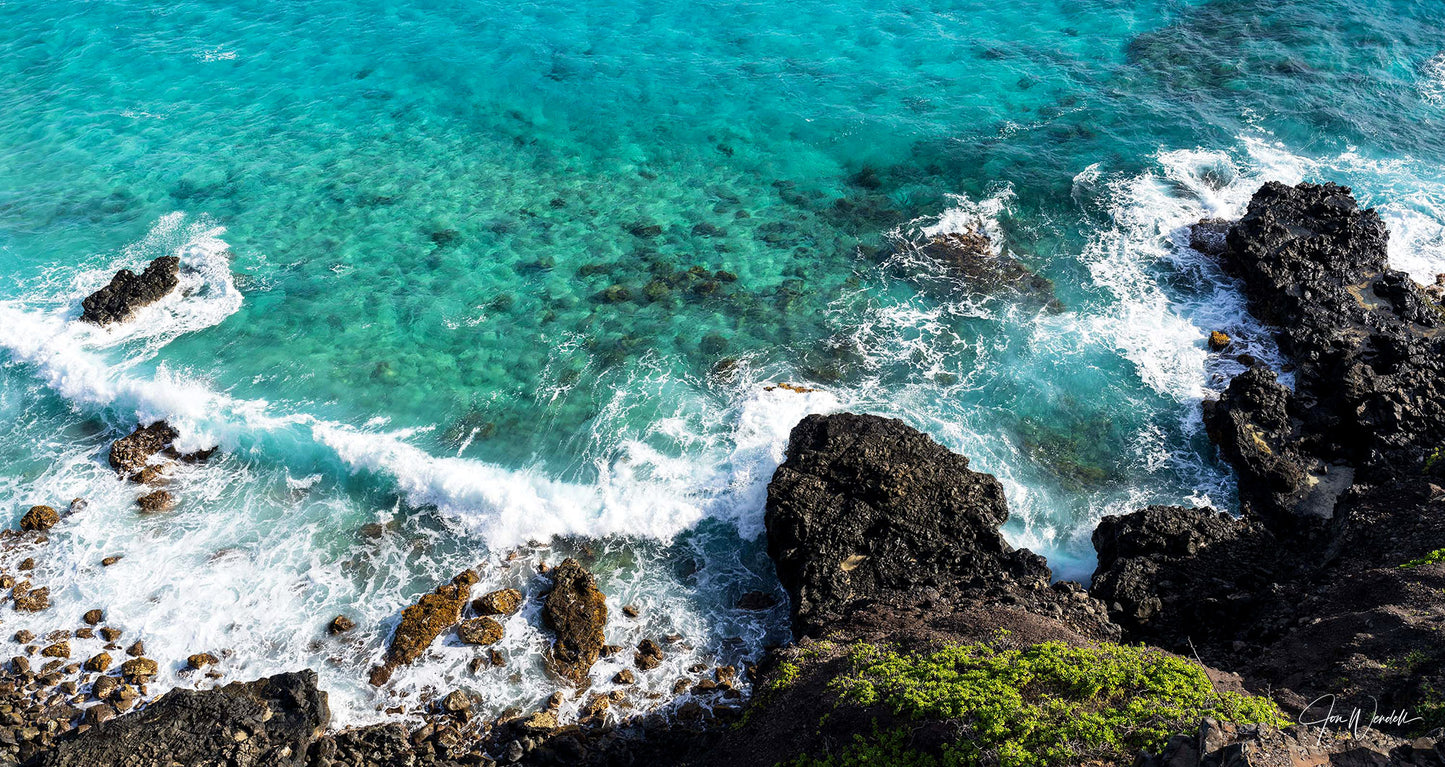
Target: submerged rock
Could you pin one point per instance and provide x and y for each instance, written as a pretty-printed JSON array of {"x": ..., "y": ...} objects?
[
  {"x": 267, "y": 723},
  {"x": 970, "y": 256},
  {"x": 129, "y": 291},
  {"x": 423, "y": 622},
  {"x": 576, "y": 612}
]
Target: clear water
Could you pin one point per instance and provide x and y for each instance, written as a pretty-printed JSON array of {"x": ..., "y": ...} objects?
[{"x": 400, "y": 221}]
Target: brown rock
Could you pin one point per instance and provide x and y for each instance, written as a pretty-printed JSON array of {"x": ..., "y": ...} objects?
[
  {"x": 457, "y": 704},
  {"x": 625, "y": 676},
  {"x": 201, "y": 660},
  {"x": 131, "y": 452},
  {"x": 423, "y": 622},
  {"x": 28, "y": 600},
  {"x": 57, "y": 650},
  {"x": 149, "y": 474},
  {"x": 576, "y": 611},
  {"x": 39, "y": 518},
  {"x": 499, "y": 602},
  {"x": 24, "y": 637},
  {"x": 648, "y": 655},
  {"x": 139, "y": 670},
  {"x": 1218, "y": 341},
  {"x": 93, "y": 617},
  {"x": 98, "y": 663},
  {"x": 160, "y": 500},
  {"x": 541, "y": 722},
  {"x": 108, "y": 561},
  {"x": 26, "y": 564},
  {"x": 85, "y": 633},
  {"x": 109, "y": 634},
  {"x": 103, "y": 687},
  {"x": 596, "y": 707},
  {"x": 631, "y": 611},
  {"x": 340, "y": 625},
  {"x": 481, "y": 631},
  {"x": 136, "y": 650}
]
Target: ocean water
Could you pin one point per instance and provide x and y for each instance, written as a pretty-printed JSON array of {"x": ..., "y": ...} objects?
[{"x": 483, "y": 284}]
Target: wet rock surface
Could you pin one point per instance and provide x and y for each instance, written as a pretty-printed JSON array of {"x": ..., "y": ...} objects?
[
  {"x": 128, "y": 291},
  {"x": 576, "y": 612},
  {"x": 132, "y": 452},
  {"x": 423, "y": 622}
]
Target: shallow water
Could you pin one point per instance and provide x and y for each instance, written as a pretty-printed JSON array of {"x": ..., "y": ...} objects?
[{"x": 438, "y": 279}]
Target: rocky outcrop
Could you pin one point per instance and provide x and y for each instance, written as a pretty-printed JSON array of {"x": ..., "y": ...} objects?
[
  {"x": 271, "y": 722},
  {"x": 129, "y": 291},
  {"x": 577, "y": 613},
  {"x": 1281, "y": 483},
  {"x": 1367, "y": 343},
  {"x": 1305, "y": 595},
  {"x": 132, "y": 452},
  {"x": 423, "y": 622},
  {"x": 868, "y": 511},
  {"x": 39, "y": 519}
]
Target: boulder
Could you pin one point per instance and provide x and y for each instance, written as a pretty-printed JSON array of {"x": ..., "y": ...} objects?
[
  {"x": 159, "y": 500},
  {"x": 271, "y": 722},
  {"x": 340, "y": 625},
  {"x": 1281, "y": 483},
  {"x": 130, "y": 453},
  {"x": 39, "y": 518},
  {"x": 479, "y": 631},
  {"x": 499, "y": 602},
  {"x": 129, "y": 291},
  {"x": 576, "y": 612},
  {"x": 423, "y": 622},
  {"x": 139, "y": 670}
]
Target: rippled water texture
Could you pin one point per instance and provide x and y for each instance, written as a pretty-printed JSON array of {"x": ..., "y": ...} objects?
[{"x": 466, "y": 276}]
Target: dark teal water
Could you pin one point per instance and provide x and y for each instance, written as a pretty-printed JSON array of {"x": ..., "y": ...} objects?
[{"x": 467, "y": 269}]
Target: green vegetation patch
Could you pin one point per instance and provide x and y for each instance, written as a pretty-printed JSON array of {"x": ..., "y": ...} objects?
[
  {"x": 1434, "y": 557},
  {"x": 1046, "y": 704}
]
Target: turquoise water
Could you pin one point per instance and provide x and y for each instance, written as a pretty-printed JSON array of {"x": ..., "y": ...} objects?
[{"x": 488, "y": 273}]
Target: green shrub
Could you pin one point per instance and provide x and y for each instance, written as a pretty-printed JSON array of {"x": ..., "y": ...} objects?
[
  {"x": 1046, "y": 704},
  {"x": 1436, "y": 556}
]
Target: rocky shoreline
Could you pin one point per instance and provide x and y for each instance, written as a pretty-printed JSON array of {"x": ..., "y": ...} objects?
[{"x": 921, "y": 636}]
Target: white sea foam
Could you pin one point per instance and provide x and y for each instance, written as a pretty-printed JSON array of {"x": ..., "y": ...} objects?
[
  {"x": 253, "y": 549},
  {"x": 1432, "y": 80}
]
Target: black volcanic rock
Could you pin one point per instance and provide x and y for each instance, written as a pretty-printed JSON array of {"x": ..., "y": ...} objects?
[
  {"x": 1163, "y": 544},
  {"x": 1280, "y": 482},
  {"x": 270, "y": 722},
  {"x": 129, "y": 291},
  {"x": 1306, "y": 595},
  {"x": 1368, "y": 344},
  {"x": 867, "y": 512}
]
